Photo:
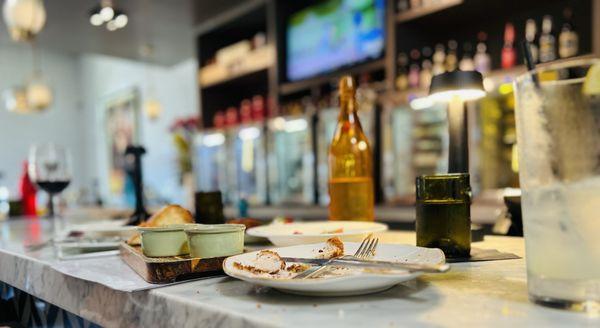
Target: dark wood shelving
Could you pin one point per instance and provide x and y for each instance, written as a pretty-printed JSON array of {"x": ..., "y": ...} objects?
[
  {"x": 424, "y": 11},
  {"x": 233, "y": 78},
  {"x": 231, "y": 93},
  {"x": 496, "y": 76},
  {"x": 459, "y": 20},
  {"x": 294, "y": 87}
]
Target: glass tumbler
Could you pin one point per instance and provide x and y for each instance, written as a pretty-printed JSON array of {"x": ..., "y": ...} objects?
[
  {"x": 444, "y": 213},
  {"x": 558, "y": 138}
]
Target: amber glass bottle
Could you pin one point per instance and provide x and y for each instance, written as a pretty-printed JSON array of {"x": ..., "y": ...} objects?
[{"x": 350, "y": 162}]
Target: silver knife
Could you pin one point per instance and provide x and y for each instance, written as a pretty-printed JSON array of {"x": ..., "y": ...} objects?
[{"x": 421, "y": 267}]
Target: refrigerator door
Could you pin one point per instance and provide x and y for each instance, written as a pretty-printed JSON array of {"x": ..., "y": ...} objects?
[
  {"x": 210, "y": 154},
  {"x": 291, "y": 160},
  {"x": 249, "y": 165}
]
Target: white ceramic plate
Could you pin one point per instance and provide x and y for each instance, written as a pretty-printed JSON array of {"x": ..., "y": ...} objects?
[
  {"x": 89, "y": 245},
  {"x": 354, "y": 282},
  {"x": 288, "y": 234},
  {"x": 106, "y": 228}
]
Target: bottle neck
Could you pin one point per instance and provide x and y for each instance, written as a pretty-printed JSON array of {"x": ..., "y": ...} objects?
[{"x": 348, "y": 109}]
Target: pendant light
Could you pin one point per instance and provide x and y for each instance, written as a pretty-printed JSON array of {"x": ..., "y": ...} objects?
[
  {"x": 38, "y": 93},
  {"x": 24, "y": 18},
  {"x": 107, "y": 13},
  {"x": 33, "y": 96}
]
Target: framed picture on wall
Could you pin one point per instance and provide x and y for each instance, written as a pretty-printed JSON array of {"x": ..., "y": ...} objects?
[{"x": 122, "y": 128}]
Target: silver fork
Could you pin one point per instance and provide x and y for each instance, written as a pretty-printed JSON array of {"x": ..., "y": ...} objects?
[{"x": 365, "y": 251}]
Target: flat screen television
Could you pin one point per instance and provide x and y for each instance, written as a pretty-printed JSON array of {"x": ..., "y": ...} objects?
[{"x": 334, "y": 34}]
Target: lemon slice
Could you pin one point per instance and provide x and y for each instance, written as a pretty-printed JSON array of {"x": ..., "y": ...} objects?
[{"x": 591, "y": 85}]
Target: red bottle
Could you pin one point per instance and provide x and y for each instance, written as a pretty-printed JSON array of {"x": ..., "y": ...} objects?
[
  {"x": 231, "y": 116},
  {"x": 258, "y": 108},
  {"x": 219, "y": 120},
  {"x": 28, "y": 192},
  {"x": 246, "y": 111},
  {"x": 509, "y": 55}
]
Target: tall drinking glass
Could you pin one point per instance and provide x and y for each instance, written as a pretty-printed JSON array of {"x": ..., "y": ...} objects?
[
  {"x": 558, "y": 136},
  {"x": 49, "y": 167}
]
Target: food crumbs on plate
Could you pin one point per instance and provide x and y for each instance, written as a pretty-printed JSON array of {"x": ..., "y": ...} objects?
[
  {"x": 334, "y": 247},
  {"x": 266, "y": 262},
  {"x": 269, "y": 264},
  {"x": 297, "y": 267},
  {"x": 258, "y": 306},
  {"x": 328, "y": 232},
  {"x": 315, "y": 305}
]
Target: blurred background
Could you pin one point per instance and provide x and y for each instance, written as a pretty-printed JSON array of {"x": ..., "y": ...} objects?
[{"x": 240, "y": 96}]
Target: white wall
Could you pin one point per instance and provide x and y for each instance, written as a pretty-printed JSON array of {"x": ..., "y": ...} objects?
[
  {"x": 81, "y": 86},
  {"x": 175, "y": 87},
  {"x": 61, "y": 124}
]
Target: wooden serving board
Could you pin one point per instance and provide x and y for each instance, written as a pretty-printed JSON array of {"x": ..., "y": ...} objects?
[{"x": 161, "y": 270}]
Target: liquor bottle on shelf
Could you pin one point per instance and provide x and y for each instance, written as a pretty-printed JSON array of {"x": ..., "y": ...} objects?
[
  {"x": 258, "y": 108},
  {"x": 415, "y": 4},
  {"x": 219, "y": 120},
  {"x": 568, "y": 39},
  {"x": 509, "y": 54},
  {"x": 245, "y": 111},
  {"x": 547, "y": 41},
  {"x": 350, "y": 162},
  {"x": 451, "y": 57},
  {"x": 403, "y": 5},
  {"x": 413, "y": 71},
  {"x": 531, "y": 37},
  {"x": 482, "y": 60},
  {"x": 466, "y": 62},
  {"x": 426, "y": 69},
  {"x": 231, "y": 116},
  {"x": 439, "y": 58},
  {"x": 402, "y": 78}
]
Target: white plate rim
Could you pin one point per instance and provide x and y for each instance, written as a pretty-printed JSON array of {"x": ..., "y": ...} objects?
[{"x": 258, "y": 231}]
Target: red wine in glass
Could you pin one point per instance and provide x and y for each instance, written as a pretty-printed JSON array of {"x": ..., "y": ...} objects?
[
  {"x": 53, "y": 187},
  {"x": 49, "y": 166}
]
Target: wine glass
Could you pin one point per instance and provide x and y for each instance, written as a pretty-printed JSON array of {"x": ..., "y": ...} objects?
[{"x": 50, "y": 168}]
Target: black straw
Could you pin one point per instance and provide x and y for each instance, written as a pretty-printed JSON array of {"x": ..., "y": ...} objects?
[{"x": 528, "y": 58}]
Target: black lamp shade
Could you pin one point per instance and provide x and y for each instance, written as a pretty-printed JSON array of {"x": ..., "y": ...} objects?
[{"x": 466, "y": 84}]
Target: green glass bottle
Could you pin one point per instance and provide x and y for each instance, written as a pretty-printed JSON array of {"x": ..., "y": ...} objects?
[{"x": 444, "y": 213}]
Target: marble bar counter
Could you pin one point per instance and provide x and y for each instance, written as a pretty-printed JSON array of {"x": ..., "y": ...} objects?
[{"x": 488, "y": 294}]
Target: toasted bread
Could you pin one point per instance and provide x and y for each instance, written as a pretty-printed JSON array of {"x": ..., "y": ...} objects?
[
  {"x": 334, "y": 247},
  {"x": 170, "y": 214}
]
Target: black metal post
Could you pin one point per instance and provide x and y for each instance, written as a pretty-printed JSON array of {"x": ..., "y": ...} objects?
[
  {"x": 140, "y": 214},
  {"x": 458, "y": 156}
]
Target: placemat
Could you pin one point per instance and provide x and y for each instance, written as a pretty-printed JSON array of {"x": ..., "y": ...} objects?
[
  {"x": 479, "y": 254},
  {"x": 109, "y": 271}
]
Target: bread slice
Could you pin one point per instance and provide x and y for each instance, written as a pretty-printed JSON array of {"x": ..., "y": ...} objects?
[{"x": 170, "y": 214}]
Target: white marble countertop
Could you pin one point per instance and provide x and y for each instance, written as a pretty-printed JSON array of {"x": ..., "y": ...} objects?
[{"x": 472, "y": 294}]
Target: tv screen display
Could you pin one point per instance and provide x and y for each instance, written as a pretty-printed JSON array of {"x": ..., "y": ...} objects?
[{"x": 334, "y": 34}]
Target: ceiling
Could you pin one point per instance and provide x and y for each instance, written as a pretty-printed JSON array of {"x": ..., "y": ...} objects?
[{"x": 167, "y": 25}]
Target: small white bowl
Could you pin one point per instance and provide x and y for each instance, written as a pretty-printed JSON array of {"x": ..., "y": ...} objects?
[{"x": 169, "y": 240}]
